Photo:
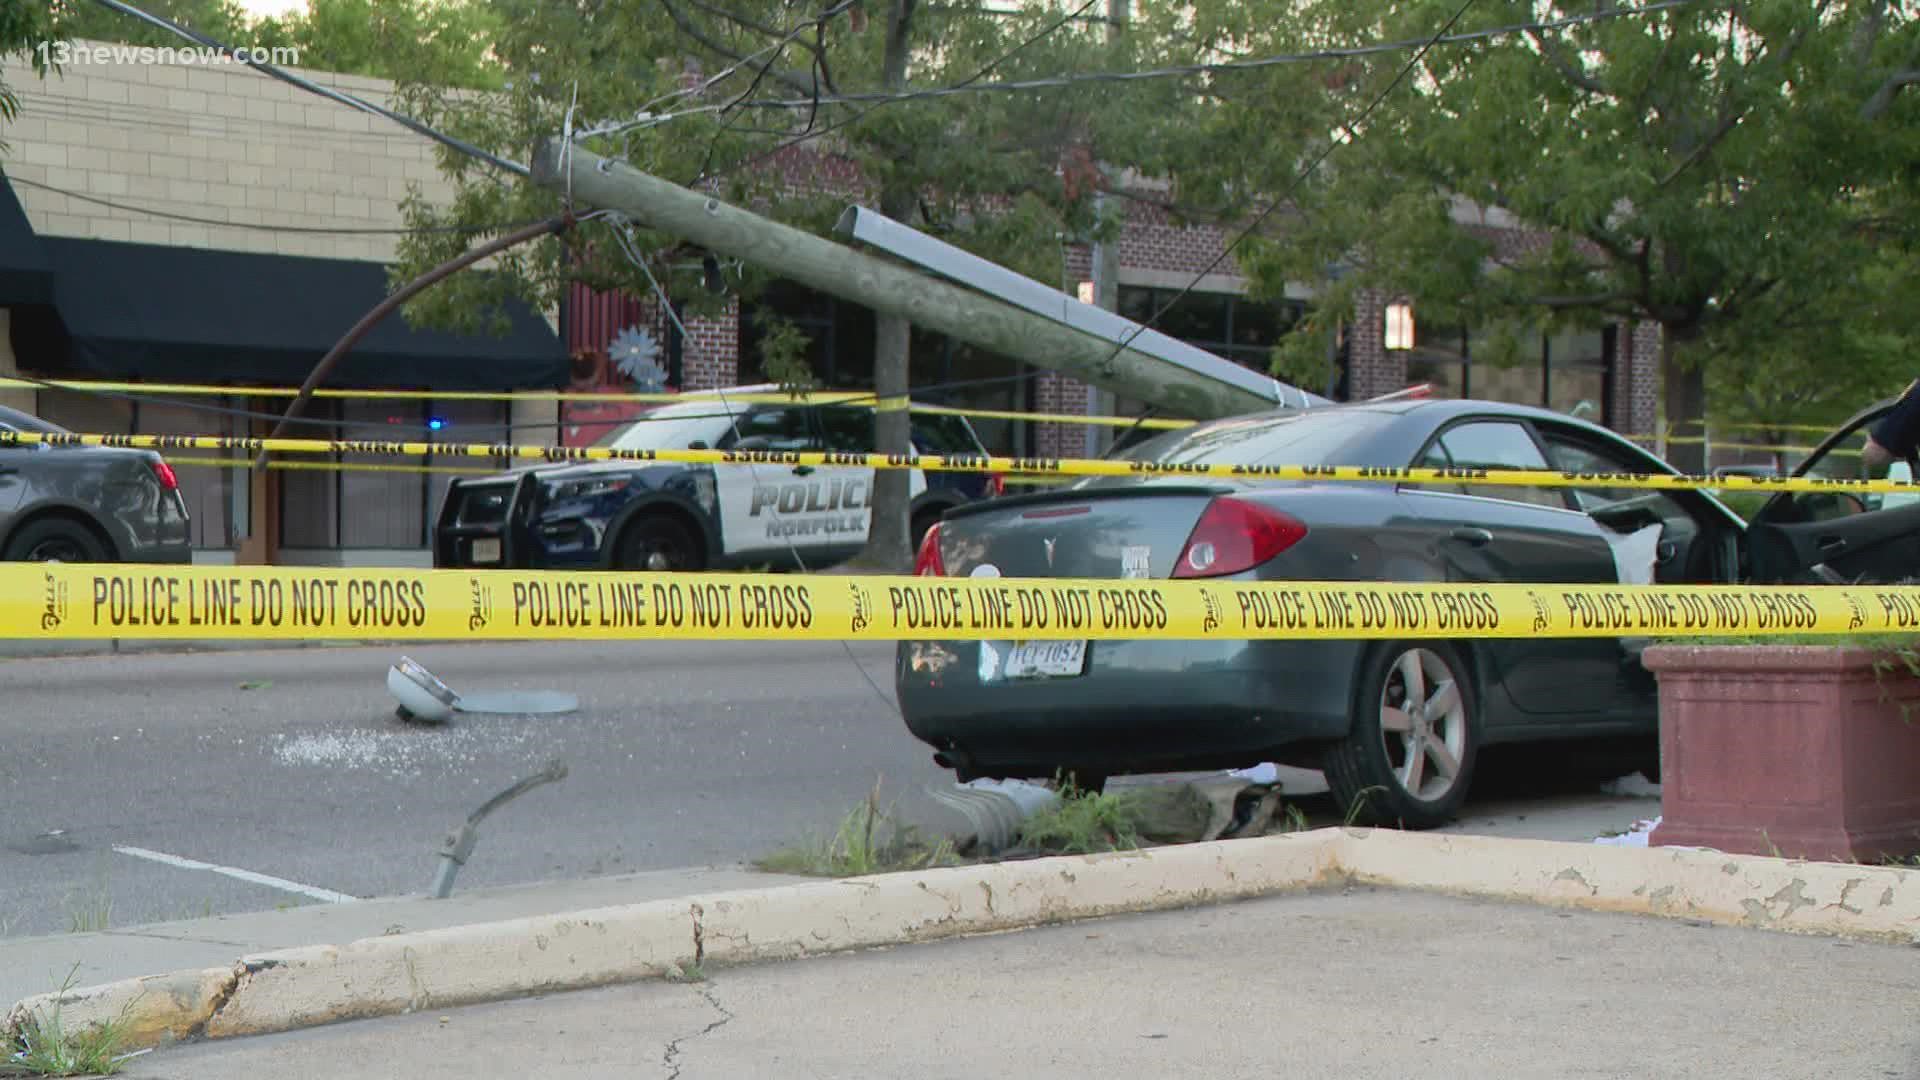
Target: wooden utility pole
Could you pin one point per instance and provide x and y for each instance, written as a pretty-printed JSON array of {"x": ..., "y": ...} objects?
[{"x": 886, "y": 286}]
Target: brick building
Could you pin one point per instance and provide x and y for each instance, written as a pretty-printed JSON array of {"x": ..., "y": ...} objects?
[{"x": 226, "y": 208}]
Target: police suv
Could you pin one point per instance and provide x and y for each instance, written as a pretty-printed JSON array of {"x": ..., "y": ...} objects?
[{"x": 656, "y": 515}]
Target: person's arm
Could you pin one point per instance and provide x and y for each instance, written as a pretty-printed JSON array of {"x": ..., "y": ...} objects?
[
  {"x": 1897, "y": 435},
  {"x": 1875, "y": 455}
]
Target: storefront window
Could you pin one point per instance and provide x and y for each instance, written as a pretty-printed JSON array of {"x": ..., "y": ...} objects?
[
  {"x": 1439, "y": 358},
  {"x": 839, "y": 333},
  {"x": 1558, "y": 372},
  {"x": 1225, "y": 324},
  {"x": 310, "y": 498},
  {"x": 1577, "y": 372},
  {"x": 208, "y": 490}
]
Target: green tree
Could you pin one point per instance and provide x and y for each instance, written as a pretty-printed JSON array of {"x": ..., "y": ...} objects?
[
  {"x": 1708, "y": 168},
  {"x": 441, "y": 42},
  {"x": 1003, "y": 175},
  {"x": 25, "y": 25},
  {"x": 222, "y": 20}
]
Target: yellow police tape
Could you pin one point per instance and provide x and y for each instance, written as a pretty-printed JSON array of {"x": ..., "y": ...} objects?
[
  {"x": 58, "y": 600},
  {"x": 970, "y": 463},
  {"x": 744, "y": 397}
]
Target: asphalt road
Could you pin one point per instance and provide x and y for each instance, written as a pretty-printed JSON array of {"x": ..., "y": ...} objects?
[
  {"x": 123, "y": 778},
  {"x": 681, "y": 754}
]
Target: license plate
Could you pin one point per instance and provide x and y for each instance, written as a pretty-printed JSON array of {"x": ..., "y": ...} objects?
[
  {"x": 486, "y": 551},
  {"x": 1046, "y": 659}
]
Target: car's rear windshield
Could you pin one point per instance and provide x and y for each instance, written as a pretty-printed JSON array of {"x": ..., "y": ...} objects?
[
  {"x": 672, "y": 427},
  {"x": 15, "y": 420},
  {"x": 1311, "y": 437},
  {"x": 939, "y": 433}
]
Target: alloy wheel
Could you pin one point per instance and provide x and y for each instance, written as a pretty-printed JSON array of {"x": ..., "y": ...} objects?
[{"x": 1423, "y": 723}]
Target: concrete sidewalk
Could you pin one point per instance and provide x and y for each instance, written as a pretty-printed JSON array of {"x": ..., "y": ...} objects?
[
  {"x": 38, "y": 965},
  {"x": 1356, "y": 982}
]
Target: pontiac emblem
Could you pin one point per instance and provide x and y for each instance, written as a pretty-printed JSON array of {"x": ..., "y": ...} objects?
[{"x": 1049, "y": 543}]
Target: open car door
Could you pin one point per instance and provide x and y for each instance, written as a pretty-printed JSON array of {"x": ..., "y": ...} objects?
[{"x": 1839, "y": 536}]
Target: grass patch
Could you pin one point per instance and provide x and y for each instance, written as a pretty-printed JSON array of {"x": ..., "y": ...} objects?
[
  {"x": 688, "y": 973},
  {"x": 44, "y": 1047},
  {"x": 868, "y": 840},
  {"x": 91, "y": 912},
  {"x": 1085, "y": 822}
]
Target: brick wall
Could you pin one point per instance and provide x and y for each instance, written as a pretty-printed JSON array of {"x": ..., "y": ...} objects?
[
  {"x": 712, "y": 352},
  {"x": 218, "y": 142},
  {"x": 1643, "y": 388},
  {"x": 1153, "y": 241},
  {"x": 1373, "y": 370}
]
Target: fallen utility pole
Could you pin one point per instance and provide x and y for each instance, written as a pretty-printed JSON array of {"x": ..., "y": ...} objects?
[{"x": 886, "y": 286}]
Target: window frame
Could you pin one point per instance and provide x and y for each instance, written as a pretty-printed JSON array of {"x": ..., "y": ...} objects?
[{"x": 1466, "y": 491}]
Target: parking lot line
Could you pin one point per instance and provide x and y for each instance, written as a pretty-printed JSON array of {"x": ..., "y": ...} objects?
[{"x": 268, "y": 880}]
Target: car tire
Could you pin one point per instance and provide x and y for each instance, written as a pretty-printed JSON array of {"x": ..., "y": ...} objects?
[
  {"x": 1401, "y": 765},
  {"x": 658, "y": 543},
  {"x": 56, "y": 540}
]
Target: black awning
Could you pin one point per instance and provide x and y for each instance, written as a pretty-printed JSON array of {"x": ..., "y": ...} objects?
[
  {"x": 25, "y": 275},
  {"x": 177, "y": 314}
]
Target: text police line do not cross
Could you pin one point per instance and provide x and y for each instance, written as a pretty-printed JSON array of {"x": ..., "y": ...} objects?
[
  {"x": 968, "y": 463},
  {"x": 61, "y": 600}
]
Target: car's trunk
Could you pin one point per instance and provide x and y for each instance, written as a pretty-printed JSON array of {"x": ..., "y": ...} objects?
[{"x": 1107, "y": 532}]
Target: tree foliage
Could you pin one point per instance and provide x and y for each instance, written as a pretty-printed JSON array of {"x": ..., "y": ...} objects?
[
  {"x": 24, "y": 26},
  {"x": 443, "y": 42},
  {"x": 1709, "y": 168}
]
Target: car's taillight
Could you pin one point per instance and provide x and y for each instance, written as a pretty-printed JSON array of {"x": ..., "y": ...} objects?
[
  {"x": 164, "y": 472},
  {"x": 1234, "y": 535},
  {"x": 996, "y": 486},
  {"x": 928, "y": 563}
]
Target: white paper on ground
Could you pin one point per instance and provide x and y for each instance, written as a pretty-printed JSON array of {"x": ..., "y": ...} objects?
[
  {"x": 1634, "y": 837},
  {"x": 1264, "y": 773}
]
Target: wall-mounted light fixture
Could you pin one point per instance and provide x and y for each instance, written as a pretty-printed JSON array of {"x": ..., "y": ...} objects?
[{"x": 1399, "y": 335}]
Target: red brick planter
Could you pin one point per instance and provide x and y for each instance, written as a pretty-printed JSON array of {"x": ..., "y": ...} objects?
[{"x": 1795, "y": 750}]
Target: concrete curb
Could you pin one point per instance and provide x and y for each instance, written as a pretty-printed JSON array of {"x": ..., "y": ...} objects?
[{"x": 294, "y": 988}]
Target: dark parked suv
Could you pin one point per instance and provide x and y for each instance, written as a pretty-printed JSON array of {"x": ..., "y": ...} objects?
[{"x": 87, "y": 504}]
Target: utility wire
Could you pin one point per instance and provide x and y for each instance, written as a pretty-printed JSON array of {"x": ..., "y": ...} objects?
[
  {"x": 971, "y": 86},
  {"x": 812, "y": 133},
  {"x": 645, "y": 115},
  {"x": 262, "y": 227}
]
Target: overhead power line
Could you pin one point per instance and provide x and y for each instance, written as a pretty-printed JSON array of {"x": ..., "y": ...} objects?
[
  {"x": 1174, "y": 72},
  {"x": 323, "y": 230}
]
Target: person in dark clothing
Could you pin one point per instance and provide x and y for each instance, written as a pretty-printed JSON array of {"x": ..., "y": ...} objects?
[{"x": 1895, "y": 436}]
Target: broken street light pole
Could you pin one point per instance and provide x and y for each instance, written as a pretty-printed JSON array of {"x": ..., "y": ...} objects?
[{"x": 887, "y": 287}]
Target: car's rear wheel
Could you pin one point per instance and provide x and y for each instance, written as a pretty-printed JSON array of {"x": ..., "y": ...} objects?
[
  {"x": 1413, "y": 741},
  {"x": 658, "y": 542},
  {"x": 55, "y": 540}
]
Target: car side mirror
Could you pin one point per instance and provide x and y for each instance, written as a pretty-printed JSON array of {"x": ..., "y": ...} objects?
[{"x": 697, "y": 444}]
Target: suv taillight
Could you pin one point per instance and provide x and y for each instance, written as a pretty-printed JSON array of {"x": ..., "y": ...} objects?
[
  {"x": 164, "y": 473},
  {"x": 1234, "y": 535},
  {"x": 928, "y": 563},
  {"x": 996, "y": 486}
]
